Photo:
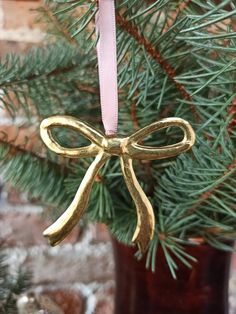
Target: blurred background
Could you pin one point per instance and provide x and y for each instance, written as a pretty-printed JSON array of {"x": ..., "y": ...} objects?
[{"x": 77, "y": 276}]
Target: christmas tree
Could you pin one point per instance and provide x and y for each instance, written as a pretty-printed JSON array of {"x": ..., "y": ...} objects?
[{"x": 176, "y": 59}]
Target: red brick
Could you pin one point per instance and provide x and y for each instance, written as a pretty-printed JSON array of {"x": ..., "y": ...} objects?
[
  {"x": 26, "y": 230},
  {"x": 105, "y": 299},
  {"x": 14, "y": 197},
  {"x": 24, "y": 137},
  {"x": 21, "y": 229},
  {"x": 101, "y": 233},
  {"x": 19, "y": 13},
  {"x": 104, "y": 306},
  {"x": 70, "y": 302}
]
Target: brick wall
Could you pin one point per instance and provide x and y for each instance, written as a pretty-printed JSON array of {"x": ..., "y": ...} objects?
[
  {"x": 17, "y": 28},
  {"x": 77, "y": 276}
]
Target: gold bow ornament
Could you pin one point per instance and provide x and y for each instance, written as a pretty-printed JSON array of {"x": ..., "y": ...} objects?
[{"x": 102, "y": 148}]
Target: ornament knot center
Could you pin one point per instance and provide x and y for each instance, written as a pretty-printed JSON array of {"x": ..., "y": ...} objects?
[{"x": 114, "y": 145}]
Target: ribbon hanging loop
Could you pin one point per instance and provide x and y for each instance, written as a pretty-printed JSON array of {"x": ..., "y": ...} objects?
[{"x": 107, "y": 65}]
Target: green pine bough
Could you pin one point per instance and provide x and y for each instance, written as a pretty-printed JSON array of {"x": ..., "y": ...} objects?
[
  {"x": 176, "y": 58},
  {"x": 11, "y": 287}
]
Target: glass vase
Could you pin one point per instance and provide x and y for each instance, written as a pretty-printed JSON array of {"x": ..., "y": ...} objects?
[{"x": 200, "y": 290}]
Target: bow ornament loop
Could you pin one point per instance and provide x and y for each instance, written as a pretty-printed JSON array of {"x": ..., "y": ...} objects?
[
  {"x": 72, "y": 123},
  {"x": 103, "y": 147},
  {"x": 127, "y": 145},
  {"x": 138, "y": 151}
]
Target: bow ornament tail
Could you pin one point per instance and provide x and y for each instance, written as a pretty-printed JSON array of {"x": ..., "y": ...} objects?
[
  {"x": 68, "y": 220},
  {"x": 145, "y": 216}
]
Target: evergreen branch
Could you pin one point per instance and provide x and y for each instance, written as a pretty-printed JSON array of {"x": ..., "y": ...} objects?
[
  {"x": 53, "y": 19},
  {"x": 169, "y": 70},
  {"x": 44, "y": 62},
  {"x": 133, "y": 116},
  {"x": 19, "y": 167},
  {"x": 46, "y": 79},
  {"x": 31, "y": 77},
  {"x": 232, "y": 113},
  {"x": 207, "y": 194},
  {"x": 11, "y": 287},
  {"x": 86, "y": 88},
  {"x": 180, "y": 8},
  {"x": 16, "y": 150}
]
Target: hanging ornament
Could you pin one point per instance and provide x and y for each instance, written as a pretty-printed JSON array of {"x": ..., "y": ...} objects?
[{"x": 103, "y": 146}]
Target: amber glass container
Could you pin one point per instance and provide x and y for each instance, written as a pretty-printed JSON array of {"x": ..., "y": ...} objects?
[{"x": 200, "y": 290}]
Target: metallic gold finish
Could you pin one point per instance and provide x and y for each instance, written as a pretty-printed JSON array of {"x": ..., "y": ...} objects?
[{"x": 103, "y": 147}]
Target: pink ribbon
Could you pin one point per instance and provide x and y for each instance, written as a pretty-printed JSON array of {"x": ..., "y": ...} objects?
[{"x": 107, "y": 65}]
